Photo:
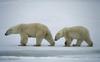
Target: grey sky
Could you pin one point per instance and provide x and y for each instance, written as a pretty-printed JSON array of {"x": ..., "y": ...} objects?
[{"x": 56, "y": 14}]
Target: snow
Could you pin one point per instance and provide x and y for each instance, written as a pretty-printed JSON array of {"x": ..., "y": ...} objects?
[{"x": 49, "y": 54}]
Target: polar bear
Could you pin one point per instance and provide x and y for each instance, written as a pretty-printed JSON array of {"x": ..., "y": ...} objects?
[
  {"x": 37, "y": 30},
  {"x": 75, "y": 32}
]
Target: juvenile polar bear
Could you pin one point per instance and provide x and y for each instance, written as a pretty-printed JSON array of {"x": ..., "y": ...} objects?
[
  {"x": 37, "y": 30},
  {"x": 76, "y": 32}
]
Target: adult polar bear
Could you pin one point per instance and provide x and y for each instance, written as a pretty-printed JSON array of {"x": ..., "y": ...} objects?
[
  {"x": 37, "y": 30},
  {"x": 76, "y": 32}
]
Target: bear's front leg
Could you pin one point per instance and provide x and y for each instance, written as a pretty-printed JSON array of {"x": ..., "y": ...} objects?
[
  {"x": 52, "y": 43},
  {"x": 39, "y": 39},
  {"x": 74, "y": 45},
  {"x": 24, "y": 39},
  {"x": 67, "y": 43},
  {"x": 50, "y": 40}
]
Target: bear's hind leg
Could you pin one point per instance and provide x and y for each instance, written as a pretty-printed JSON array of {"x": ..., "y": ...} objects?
[
  {"x": 78, "y": 43},
  {"x": 89, "y": 42}
]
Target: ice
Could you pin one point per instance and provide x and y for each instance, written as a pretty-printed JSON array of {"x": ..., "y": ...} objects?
[{"x": 49, "y": 54}]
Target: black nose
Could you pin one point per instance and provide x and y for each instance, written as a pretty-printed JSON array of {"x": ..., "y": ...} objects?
[
  {"x": 55, "y": 39},
  {"x": 6, "y": 34}
]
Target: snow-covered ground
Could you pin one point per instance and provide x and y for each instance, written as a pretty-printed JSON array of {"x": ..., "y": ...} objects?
[
  {"x": 55, "y": 14},
  {"x": 49, "y": 54}
]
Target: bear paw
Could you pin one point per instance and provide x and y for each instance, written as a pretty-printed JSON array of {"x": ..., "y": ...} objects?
[
  {"x": 51, "y": 45},
  {"x": 22, "y": 45},
  {"x": 37, "y": 45}
]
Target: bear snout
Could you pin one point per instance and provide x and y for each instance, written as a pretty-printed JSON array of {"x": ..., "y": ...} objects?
[
  {"x": 6, "y": 34},
  {"x": 55, "y": 39}
]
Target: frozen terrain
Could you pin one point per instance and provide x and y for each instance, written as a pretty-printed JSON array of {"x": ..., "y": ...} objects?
[
  {"x": 55, "y": 14},
  {"x": 49, "y": 54}
]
